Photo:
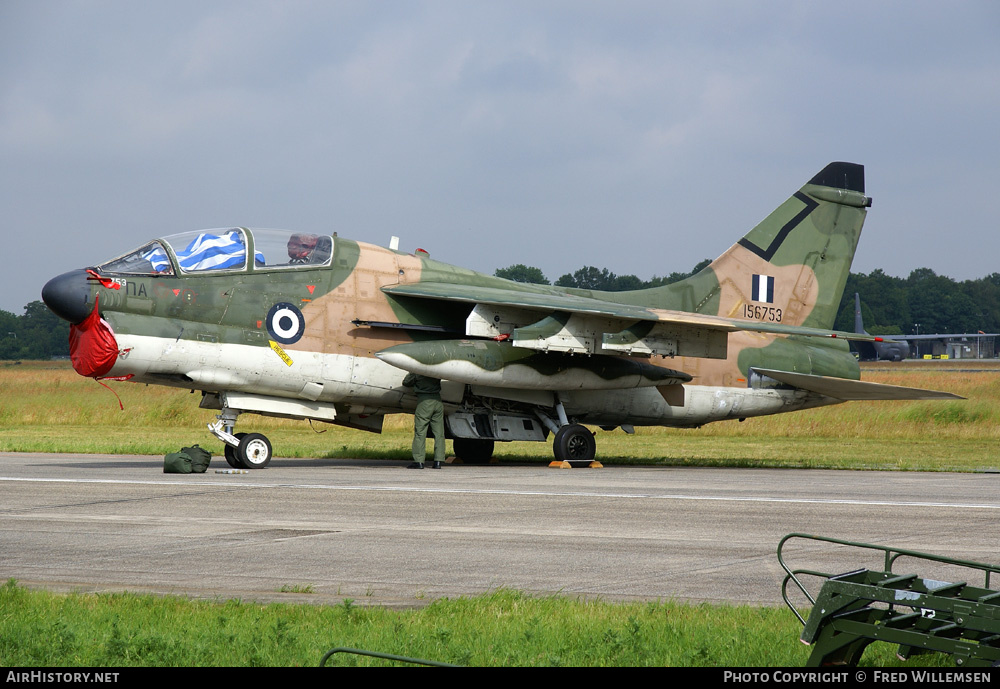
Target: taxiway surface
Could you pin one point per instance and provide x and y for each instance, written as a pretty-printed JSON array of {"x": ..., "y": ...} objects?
[{"x": 378, "y": 533}]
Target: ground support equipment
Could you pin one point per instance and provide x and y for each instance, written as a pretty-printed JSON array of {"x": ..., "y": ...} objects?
[{"x": 921, "y": 615}]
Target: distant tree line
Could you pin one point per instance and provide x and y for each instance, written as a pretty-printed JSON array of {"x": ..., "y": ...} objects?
[
  {"x": 924, "y": 301},
  {"x": 590, "y": 277},
  {"x": 37, "y": 334}
]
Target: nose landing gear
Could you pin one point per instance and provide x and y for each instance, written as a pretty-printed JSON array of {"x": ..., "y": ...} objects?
[
  {"x": 254, "y": 451},
  {"x": 243, "y": 450}
]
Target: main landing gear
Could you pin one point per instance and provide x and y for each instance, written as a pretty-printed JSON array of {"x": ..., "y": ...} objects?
[
  {"x": 574, "y": 444},
  {"x": 243, "y": 450}
]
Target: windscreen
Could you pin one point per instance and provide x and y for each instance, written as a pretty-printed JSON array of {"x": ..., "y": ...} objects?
[{"x": 150, "y": 259}]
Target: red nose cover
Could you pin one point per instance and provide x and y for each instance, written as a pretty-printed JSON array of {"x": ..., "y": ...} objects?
[{"x": 92, "y": 346}]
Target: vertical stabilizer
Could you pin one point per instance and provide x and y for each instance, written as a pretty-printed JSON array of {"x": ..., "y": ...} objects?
[{"x": 791, "y": 268}]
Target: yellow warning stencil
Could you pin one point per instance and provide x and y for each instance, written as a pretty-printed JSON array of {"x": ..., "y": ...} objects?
[{"x": 281, "y": 352}]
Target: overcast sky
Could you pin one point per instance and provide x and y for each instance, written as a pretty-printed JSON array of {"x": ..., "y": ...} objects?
[{"x": 636, "y": 136}]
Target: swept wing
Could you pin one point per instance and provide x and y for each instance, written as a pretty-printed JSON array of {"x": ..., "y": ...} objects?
[{"x": 626, "y": 315}]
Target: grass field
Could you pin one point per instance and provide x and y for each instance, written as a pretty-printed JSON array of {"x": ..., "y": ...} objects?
[
  {"x": 501, "y": 628},
  {"x": 46, "y": 407}
]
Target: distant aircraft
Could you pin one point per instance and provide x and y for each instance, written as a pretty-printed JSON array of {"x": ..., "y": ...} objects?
[
  {"x": 315, "y": 326},
  {"x": 898, "y": 347},
  {"x": 886, "y": 350}
]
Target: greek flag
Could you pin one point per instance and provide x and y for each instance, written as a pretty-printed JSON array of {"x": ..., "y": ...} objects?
[
  {"x": 763, "y": 289},
  {"x": 215, "y": 252},
  {"x": 157, "y": 257}
]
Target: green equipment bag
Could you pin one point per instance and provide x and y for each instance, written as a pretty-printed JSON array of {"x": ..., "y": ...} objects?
[
  {"x": 200, "y": 458},
  {"x": 177, "y": 463}
]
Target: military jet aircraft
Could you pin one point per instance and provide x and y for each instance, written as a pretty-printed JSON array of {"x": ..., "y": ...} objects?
[
  {"x": 316, "y": 326},
  {"x": 887, "y": 350}
]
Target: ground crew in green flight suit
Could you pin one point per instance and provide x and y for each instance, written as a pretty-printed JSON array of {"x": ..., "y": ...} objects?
[{"x": 430, "y": 411}]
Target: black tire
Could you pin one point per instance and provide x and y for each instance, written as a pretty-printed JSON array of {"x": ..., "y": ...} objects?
[
  {"x": 232, "y": 454},
  {"x": 574, "y": 443},
  {"x": 254, "y": 451},
  {"x": 473, "y": 450}
]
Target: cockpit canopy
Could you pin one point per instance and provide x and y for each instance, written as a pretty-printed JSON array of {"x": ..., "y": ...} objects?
[{"x": 226, "y": 250}]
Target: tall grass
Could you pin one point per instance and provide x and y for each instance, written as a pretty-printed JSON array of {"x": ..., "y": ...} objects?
[{"x": 47, "y": 407}]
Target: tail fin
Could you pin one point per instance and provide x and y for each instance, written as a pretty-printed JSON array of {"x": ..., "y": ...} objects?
[
  {"x": 859, "y": 324},
  {"x": 792, "y": 267},
  {"x": 867, "y": 351}
]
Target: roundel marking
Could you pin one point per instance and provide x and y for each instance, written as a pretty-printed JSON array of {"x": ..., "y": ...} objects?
[{"x": 285, "y": 323}]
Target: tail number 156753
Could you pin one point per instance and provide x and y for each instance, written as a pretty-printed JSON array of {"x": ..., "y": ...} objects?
[{"x": 756, "y": 312}]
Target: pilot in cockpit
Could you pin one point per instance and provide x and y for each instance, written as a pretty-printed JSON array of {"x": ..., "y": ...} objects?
[{"x": 308, "y": 248}]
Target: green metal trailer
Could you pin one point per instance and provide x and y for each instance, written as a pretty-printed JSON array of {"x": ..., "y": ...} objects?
[{"x": 856, "y": 608}]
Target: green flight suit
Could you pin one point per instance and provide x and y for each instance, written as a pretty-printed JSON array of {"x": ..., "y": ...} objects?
[{"x": 430, "y": 411}]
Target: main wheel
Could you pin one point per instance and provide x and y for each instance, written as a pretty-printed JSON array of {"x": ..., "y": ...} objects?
[
  {"x": 574, "y": 443},
  {"x": 233, "y": 454},
  {"x": 473, "y": 450},
  {"x": 254, "y": 451}
]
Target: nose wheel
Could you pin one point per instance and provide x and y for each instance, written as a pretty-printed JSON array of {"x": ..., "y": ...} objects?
[
  {"x": 242, "y": 450},
  {"x": 254, "y": 451}
]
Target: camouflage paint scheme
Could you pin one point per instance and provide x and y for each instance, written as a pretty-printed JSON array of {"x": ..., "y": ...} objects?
[{"x": 677, "y": 355}]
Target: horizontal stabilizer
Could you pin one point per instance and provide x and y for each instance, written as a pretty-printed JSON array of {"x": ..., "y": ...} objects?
[{"x": 847, "y": 390}]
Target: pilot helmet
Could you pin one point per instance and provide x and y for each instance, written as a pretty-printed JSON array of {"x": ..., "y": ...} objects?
[{"x": 300, "y": 245}]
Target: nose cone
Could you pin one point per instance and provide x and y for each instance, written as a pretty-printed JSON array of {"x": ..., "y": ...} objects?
[{"x": 68, "y": 296}]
